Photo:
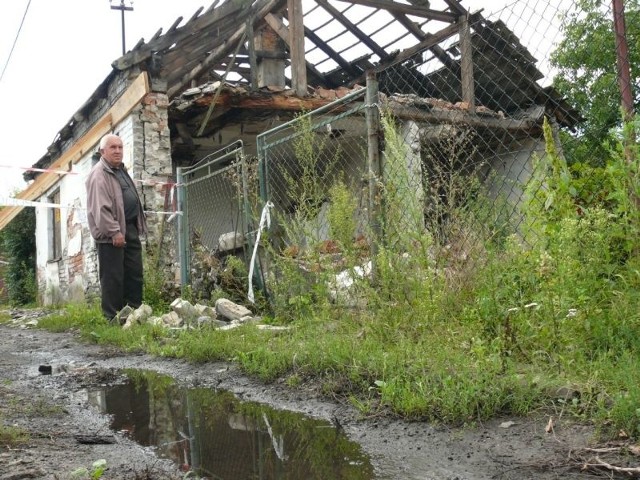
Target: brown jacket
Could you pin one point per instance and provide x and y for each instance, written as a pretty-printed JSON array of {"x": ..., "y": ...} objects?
[{"x": 105, "y": 206}]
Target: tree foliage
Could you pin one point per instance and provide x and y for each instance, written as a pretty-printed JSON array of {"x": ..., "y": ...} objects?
[
  {"x": 587, "y": 73},
  {"x": 18, "y": 245}
]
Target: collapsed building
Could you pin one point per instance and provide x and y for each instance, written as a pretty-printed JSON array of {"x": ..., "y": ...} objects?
[{"x": 195, "y": 103}]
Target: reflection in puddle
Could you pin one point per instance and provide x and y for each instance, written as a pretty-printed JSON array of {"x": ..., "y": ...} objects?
[{"x": 214, "y": 435}]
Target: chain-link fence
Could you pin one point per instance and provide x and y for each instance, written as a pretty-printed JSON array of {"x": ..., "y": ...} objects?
[
  {"x": 215, "y": 217},
  {"x": 441, "y": 158}
]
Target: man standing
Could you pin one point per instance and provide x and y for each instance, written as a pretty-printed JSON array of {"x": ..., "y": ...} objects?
[{"x": 116, "y": 221}]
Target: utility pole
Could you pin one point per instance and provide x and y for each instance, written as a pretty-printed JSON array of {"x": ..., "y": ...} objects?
[{"x": 122, "y": 7}]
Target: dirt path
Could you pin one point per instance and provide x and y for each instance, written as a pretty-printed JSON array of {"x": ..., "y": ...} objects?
[{"x": 52, "y": 410}]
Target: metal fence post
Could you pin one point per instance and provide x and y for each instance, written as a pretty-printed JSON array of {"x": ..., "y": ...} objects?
[
  {"x": 374, "y": 165},
  {"x": 183, "y": 231}
]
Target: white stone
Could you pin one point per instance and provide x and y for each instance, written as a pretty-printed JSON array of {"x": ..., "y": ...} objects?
[
  {"x": 205, "y": 310},
  {"x": 183, "y": 308},
  {"x": 172, "y": 320},
  {"x": 230, "y": 241},
  {"x": 227, "y": 309},
  {"x": 140, "y": 314}
]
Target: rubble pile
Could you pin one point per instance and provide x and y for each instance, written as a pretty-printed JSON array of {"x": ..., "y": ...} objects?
[{"x": 224, "y": 315}]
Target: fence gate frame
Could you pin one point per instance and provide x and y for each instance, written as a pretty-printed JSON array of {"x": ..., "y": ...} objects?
[
  {"x": 366, "y": 101},
  {"x": 207, "y": 167}
]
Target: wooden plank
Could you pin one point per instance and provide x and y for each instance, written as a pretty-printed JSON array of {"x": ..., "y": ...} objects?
[
  {"x": 437, "y": 50},
  {"x": 414, "y": 10},
  {"x": 459, "y": 117},
  {"x": 353, "y": 28},
  {"x": 260, "y": 101},
  {"x": 130, "y": 98},
  {"x": 296, "y": 45},
  {"x": 466, "y": 60},
  {"x": 253, "y": 61},
  {"x": 43, "y": 182}
]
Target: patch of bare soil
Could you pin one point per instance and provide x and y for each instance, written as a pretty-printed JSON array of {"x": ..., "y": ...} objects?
[{"x": 66, "y": 433}]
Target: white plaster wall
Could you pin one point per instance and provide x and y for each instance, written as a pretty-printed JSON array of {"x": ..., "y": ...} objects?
[
  {"x": 512, "y": 167},
  {"x": 48, "y": 280}
]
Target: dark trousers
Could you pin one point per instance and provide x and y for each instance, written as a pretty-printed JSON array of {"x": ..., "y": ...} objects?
[{"x": 120, "y": 271}]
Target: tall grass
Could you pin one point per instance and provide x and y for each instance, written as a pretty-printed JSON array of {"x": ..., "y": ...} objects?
[{"x": 440, "y": 339}]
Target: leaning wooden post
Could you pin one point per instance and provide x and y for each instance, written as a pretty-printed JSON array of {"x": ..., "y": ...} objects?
[{"x": 374, "y": 165}]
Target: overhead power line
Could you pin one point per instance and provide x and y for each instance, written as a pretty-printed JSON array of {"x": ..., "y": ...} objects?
[{"x": 15, "y": 40}]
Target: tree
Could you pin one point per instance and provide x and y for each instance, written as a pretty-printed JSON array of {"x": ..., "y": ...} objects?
[
  {"x": 587, "y": 74},
  {"x": 18, "y": 245}
]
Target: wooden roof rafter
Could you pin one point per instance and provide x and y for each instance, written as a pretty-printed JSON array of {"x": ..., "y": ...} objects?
[
  {"x": 454, "y": 5},
  {"x": 353, "y": 28},
  {"x": 178, "y": 34},
  {"x": 258, "y": 11},
  {"x": 437, "y": 50},
  {"x": 335, "y": 56},
  {"x": 426, "y": 44},
  {"x": 415, "y": 10}
]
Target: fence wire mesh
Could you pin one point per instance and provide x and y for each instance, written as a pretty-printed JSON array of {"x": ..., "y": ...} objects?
[
  {"x": 215, "y": 218},
  {"x": 444, "y": 156}
]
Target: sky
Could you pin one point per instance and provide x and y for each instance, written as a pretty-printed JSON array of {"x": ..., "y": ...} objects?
[{"x": 64, "y": 49}]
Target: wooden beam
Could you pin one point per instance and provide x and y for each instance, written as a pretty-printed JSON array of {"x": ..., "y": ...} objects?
[
  {"x": 459, "y": 117},
  {"x": 261, "y": 101},
  {"x": 466, "y": 60},
  {"x": 263, "y": 8},
  {"x": 335, "y": 56},
  {"x": 353, "y": 28},
  {"x": 43, "y": 182},
  {"x": 455, "y": 7},
  {"x": 281, "y": 29},
  {"x": 426, "y": 44},
  {"x": 296, "y": 47},
  {"x": 253, "y": 61},
  {"x": 414, "y": 10},
  {"x": 437, "y": 50}
]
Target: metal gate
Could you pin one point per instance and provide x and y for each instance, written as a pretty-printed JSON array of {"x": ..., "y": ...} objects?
[{"x": 212, "y": 196}]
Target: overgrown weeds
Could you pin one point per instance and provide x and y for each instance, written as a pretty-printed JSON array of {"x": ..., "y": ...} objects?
[
  {"x": 12, "y": 436},
  {"x": 457, "y": 323}
]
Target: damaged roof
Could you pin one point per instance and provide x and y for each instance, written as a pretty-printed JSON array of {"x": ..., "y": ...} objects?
[{"x": 343, "y": 40}]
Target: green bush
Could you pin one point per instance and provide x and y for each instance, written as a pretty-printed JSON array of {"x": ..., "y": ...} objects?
[{"x": 18, "y": 245}]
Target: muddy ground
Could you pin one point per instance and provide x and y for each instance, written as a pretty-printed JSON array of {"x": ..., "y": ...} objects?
[{"x": 60, "y": 423}]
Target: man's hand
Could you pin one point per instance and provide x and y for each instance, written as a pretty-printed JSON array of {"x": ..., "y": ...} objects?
[{"x": 118, "y": 240}]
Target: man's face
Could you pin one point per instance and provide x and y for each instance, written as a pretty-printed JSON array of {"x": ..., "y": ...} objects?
[{"x": 112, "y": 152}]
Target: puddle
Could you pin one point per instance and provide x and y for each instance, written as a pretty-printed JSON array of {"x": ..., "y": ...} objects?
[{"x": 214, "y": 435}]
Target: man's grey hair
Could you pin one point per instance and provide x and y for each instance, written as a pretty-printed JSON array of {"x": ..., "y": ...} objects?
[{"x": 105, "y": 139}]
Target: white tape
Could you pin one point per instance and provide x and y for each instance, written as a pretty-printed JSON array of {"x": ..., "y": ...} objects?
[
  {"x": 155, "y": 182},
  {"x": 18, "y": 202},
  {"x": 157, "y": 212},
  {"x": 41, "y": 170},
  {"x": 265, "y": 218}
]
